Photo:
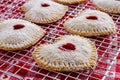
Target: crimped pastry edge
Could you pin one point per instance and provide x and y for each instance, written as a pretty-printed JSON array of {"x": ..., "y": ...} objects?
[
  {"x": 22, "y": 47},
  {"x": 68, "y": 2},
  {"x": 115, "y": 11},
  {"x": 93, "y": 33}
]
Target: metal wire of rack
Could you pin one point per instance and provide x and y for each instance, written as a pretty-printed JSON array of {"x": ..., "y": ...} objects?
[{"x": 20, "y": 64}]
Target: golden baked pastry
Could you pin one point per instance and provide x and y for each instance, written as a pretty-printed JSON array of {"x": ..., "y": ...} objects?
[
  {"x": 43, "y": 11},
  {"x": 68, "y": 53},
  {"x": 17, "y": 34},
  {"x": 90, "y": 23},
  {"x": 69, "y": 1},
  {"x": 111, "y": 6}
]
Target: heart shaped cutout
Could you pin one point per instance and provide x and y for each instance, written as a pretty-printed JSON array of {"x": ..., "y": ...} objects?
[{"x": 18, "y": 26}]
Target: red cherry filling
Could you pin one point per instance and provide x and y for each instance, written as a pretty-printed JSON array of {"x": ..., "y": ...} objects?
[
  {"x": 45, "y": 5},
  {"x": 18, "y": 26},
  {"x": 67, "y": 46},
  {"x": 92, "y": 17}
]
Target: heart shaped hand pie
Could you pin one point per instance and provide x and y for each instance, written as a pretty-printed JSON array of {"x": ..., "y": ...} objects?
[
  {"x": 16, "y": 34},
  {"x": 69, "y": 1},
  {"x": 111, "y": 6},
  {"x": 43, "y": 11},
  {"x": 68, "y": 53},
  {"x": 90, "y": 23}
]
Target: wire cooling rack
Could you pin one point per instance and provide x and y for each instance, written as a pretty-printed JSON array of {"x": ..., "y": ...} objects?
[{"x": 19, "y": 65}]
